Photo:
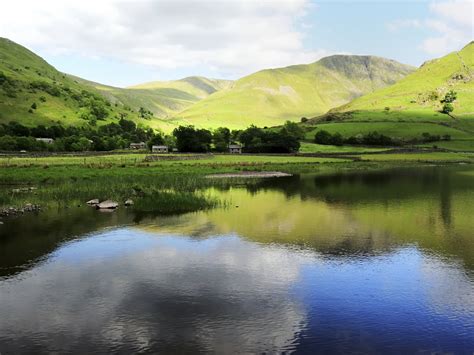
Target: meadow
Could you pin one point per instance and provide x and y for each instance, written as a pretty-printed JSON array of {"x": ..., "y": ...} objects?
[{"x": 173, "y": 186}]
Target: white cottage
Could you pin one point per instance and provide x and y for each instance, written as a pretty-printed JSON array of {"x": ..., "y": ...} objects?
[
  {"x": 159, "y": 149},
  {"x": 235, "y": 149}
]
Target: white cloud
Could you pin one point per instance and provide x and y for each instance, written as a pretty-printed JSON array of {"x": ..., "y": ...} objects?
[
  {"x": 452, "y": 26},
  {"x": 229, "y": 36},
  {"x": 404, "y": 23},
  {"x": 458, "y": 11}
]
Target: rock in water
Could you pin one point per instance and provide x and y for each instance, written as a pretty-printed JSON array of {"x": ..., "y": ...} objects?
[
  {"x": 93, "y": 202},
  {"x": 107, "y": 205},
  {"x": 129, "y": 202}
]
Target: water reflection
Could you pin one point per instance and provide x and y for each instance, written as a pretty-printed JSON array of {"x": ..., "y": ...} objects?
[
  {"x": 365, "y": 262},
  {"x": 132, "y": 291}
]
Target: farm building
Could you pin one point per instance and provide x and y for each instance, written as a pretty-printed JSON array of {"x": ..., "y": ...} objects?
[
  {"x": 141, "y": 145},
  {"x": 46, "y": 140},
  {"x": 159, "y": 149},
  {"x": 235, "y": 149}
]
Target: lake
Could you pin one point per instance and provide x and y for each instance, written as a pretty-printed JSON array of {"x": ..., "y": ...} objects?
[{"x": 372, "y": 262}]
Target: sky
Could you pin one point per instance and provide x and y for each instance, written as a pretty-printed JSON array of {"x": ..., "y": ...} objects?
[{"x": 122, "y": 43}]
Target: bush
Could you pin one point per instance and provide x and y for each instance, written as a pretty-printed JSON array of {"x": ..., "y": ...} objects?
[
  {"x": 45, "y": 86},
  {"x": 145, "y": 114},
  {"x": 427, "y": 137},
  {"x": 337, "y": 139},
  {"x": 323, "y": 137},
  {"x": 447, "y": 108},
  {"x": 450, "y": 97}
]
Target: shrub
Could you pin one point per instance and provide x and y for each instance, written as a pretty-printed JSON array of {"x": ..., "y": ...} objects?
[
  {"x": 323, "y": 137},
  {"x": 450, "y": 97},
  {"x": 447, "y": 108}
]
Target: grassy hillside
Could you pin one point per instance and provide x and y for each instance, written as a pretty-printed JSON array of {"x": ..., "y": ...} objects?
[
  {"x": 272, "y": 96},
  {"x": 412, "y": 105},
  {"x": 163, "y": 98},
  {"x": 27, "y": 80},
  {"x": 421, "y": 91}
]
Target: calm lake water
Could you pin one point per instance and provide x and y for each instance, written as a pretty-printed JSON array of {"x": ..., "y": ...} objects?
[{"x": 379, "y": 262}]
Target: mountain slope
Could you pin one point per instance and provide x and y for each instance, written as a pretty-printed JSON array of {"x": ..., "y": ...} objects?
[
  {"x": 163, "y": 98},
  {"x": 421, "y": 91},
  {"x": 27, "y": 79},
  {"x": 272, "y": 96},
  {"x": 412, "y": 106}
]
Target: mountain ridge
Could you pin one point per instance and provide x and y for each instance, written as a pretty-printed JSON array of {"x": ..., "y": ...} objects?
[{"x": 271, "y": 96}]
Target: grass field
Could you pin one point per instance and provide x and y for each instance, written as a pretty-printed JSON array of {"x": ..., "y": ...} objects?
[
  {"x": 405, "y": 130},
  {"x": 307, "y": 147},
  {"x": 421, "y": 157},
  {"x": 138, "y": 159},
  {"x": 168, "y": 186}
]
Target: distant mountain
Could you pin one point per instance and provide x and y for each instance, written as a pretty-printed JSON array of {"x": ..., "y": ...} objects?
[
  {"x": 272, "y": 96},
  {"x": 163, "y": 98},
  {"x": 421, "y": 91}
]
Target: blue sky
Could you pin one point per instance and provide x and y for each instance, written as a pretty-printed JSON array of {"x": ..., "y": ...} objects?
[{"x": 122, "y": 43}]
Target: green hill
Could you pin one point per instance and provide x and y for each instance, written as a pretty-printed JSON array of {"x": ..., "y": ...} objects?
[
  {"x": 163, "y": 98},
  {"x": 27, "y": 80},
  {"x": 33, "y": 92},
  {"x": 412, "y": 105},
  {"x": 272, "y": 96}
]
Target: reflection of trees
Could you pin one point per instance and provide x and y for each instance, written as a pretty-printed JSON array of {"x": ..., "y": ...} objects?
[
  {"x": 445, "y": 201},
  {"x": 384, "y": 185},
  {"x": 26, "y": 240},
  {"x": 408, "y": 193}
]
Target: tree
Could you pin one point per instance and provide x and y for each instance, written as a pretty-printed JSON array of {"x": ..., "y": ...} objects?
[
  {"x": 337, "y": 139},
  {"x": 127, "y": 125},
  {"x": 221, "y": 139},
  {"x": 323, "y": 137},
  {"x": 450, "y": 97},
  {"x": 189, "y": 139},
  {"x": 257, "y": 140},
  {"x": 7, "y": 143},
  {"x": 144, "y": 113},
  {"x": 33, "y": 106},
  {"x": 304, "y": 120},
  {"x": 82, "y": 144},
  {"x": 447, "y": 108},
  {"x": 293, "y": 129}
]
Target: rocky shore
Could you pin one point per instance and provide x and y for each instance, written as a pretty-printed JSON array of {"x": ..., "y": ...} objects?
[{"x": 14, "y": 211}]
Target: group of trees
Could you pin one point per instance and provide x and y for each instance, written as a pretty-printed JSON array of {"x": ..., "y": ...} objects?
[
  {"x": 373, "y": 138},
  {"x": 15, "y": 136},
  {"x": 253, "y": 139},
  {"x": 283, "y": 140}
]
